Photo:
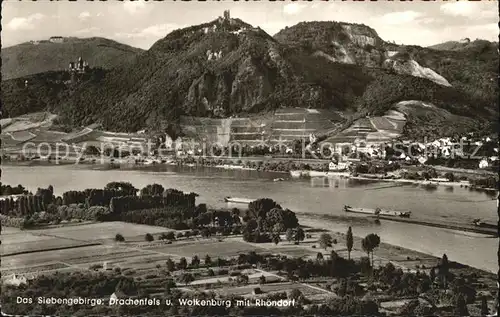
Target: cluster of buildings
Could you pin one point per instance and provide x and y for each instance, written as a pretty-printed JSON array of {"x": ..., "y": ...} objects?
[{"x": 79, "y": 66}]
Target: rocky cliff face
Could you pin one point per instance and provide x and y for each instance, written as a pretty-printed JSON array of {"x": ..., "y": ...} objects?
[
  {"x": 353, "y": 44},
  {"x": 411, "y": 67},
  {"x": 341, "y": 42}
]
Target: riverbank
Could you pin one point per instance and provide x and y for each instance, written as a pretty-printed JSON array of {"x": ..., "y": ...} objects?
[
  {"x": 405, "y": 258},
  {"x": 124, "y": 164},
  {"x": 293, "y": 167},
  {"x": 459, "y": 227}
]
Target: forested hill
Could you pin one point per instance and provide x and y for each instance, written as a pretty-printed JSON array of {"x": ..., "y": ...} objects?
[
  {"x": 41, "y": 56},
  {"x": 227, "y": 67}
]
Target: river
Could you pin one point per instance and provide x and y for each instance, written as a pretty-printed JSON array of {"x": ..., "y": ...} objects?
[{"x": 459, "y": 205}]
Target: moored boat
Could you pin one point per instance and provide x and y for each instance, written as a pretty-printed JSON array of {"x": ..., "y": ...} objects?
[
  {"x": 238, "y": 200},
  {"x": 381, "y": 212}
]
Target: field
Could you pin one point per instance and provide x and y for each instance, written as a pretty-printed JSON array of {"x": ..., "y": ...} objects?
[
  {"x": 70, "y": 242},
  {"x": 145, "y": 262},
  {"x": 103, "y": 231},
  {"x": 213, "y": 248},
  {"x": 38, "y": 243},
  {"x": 30, "y": 121},
  {"x": 266, "y": 288},
  {"x": 382, "y": 123}
]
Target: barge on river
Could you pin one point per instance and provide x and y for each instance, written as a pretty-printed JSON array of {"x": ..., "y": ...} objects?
[
  {"x": 237, "y": 200},
  {"x": 381, "y": 212}
]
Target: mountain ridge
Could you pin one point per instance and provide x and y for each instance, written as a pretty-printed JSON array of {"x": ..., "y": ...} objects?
[
  {"x": 54, "y": 54},
  {"x": 227, "y": 67}
]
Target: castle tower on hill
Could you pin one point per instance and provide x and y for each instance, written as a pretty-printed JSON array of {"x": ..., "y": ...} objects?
[
  {"x": 80, "y": 66},
  {"x": 227, "y": 16}
]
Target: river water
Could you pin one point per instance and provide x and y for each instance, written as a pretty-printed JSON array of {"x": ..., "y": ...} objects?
[{"x": 459, "y": 205}]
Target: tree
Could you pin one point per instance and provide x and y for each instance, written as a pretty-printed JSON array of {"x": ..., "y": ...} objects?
[
  {"x": 449, "y": 176},
  {"x": 182, "y": 265},
  {"x": 349, "y": 242},
  {"x": 280, "y": 219},
  {"x": 276, "y": 238},
  {"x": 460, "y": 307},
  {"x": 299, "y": 235},
  {"x": 260, "y": 207},
  {"x": 444, "y": 268},
  {"x": 91, "y": 150},
  {"x": 295, "y": 294},
  {"x": 242, "y": 279},
  {"x": 186, "y": 278},
  {"x": 205, "y": 233},
  {"x": 262, "y": 279},
  {"x": 325, "y": 240},
  {"x": 195, "y": 261},
  {"x": 149, "y": 237},
  {"x": 432, "y": 275},
  {"x": 484, "y": 306},
  {"x": 369, "y": 243},
  {"x": 152, "y": 190},
  {"x": 208, "y": 260},
  {"x": 170, "y": 265},
  {"x": 125, "y": 186},
  {"x": 278, "y": 228},
  {"x": 289, "y": 235},
  {"x": 319, "y": 257},
  {"x": 119, "y": 238},
  {"x": 170, "y": 235}
]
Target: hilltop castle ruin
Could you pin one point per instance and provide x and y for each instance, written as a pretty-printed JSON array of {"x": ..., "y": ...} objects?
[{"x": 79, "y": 67}]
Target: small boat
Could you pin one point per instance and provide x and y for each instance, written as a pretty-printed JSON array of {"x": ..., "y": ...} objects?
[
  {"x": 381, "y": 212},
  {"x": 238, "y": 200},
  {"x": 278, "y": 179}
]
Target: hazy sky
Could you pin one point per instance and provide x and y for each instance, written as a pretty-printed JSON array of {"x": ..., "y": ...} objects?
[{"x": 141, "y": 23}]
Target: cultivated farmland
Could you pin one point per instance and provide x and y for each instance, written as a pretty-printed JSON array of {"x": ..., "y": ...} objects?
[
  {"x": 210, "y": 247},
  {"x": 104, "y": 230}
]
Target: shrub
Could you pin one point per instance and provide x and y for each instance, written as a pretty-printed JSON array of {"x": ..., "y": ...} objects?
[
  {"x": 149, "y": 237},
  {"x": 119, "y": 238}
]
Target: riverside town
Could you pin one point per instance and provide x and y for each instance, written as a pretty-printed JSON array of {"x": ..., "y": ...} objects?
[{"x": 289, "y": 158}]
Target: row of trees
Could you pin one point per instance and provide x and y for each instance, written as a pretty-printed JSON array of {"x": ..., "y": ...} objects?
[
  {"x": 92, "y": 197},
  {"x": 6, "y": 190},
  {"x": 27, "y": 203},
  {"x": 485, "y": 182},
  {"x": 171, "y": 197},
  {"x": 23, "y": 205}
]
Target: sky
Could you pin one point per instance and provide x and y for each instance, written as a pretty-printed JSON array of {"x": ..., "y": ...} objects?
[{"x": 141, "y": 23}]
